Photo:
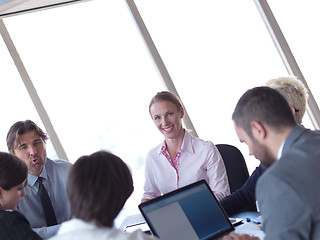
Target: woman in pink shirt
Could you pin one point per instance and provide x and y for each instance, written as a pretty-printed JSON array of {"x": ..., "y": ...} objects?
[{"x": 181, "y": 159}]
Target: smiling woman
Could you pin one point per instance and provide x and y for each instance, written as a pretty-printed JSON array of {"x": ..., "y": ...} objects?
[{"x": 181, "y": 159}]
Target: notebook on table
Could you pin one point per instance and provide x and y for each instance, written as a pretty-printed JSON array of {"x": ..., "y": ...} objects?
[{"x": 191, "y": 212}]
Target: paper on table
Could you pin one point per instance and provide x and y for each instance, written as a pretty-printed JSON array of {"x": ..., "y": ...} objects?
[
  {"x": 132, "y": 220},
  {"x": 250, "y": 229}
]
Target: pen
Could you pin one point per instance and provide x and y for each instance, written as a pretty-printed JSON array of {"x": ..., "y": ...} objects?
[{"x": 254, "y": 221}]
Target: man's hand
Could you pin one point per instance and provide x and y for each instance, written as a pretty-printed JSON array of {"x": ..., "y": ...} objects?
[{"x": 234, "y": 236}]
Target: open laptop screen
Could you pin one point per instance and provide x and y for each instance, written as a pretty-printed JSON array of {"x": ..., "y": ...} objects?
[{"x": 191, "y": 212}]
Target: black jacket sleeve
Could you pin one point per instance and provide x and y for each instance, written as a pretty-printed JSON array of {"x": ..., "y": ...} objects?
[{"x": 244, "y": 196}]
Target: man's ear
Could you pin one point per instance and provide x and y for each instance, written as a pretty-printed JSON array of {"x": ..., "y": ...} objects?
[
  {"x": 293, "y": 110},
  {"x": 1, "y": 196},
  {"x": 258, "y": 130},
  {"x": 1, "y": 193}
]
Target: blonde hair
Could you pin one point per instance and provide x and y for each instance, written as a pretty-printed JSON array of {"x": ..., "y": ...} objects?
[
  {"x": 294, "y": 92},
  {"x": 166, "y": 96}
]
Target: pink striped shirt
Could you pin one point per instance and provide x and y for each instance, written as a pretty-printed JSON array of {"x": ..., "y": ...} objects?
[{"x": 196, "y": 160}]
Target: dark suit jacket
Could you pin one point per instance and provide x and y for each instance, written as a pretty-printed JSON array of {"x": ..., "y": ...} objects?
[
  {"x": 243, "y": 197},
  {"x": 288, "y": 192},
  {"x": 14, "y": 226}
]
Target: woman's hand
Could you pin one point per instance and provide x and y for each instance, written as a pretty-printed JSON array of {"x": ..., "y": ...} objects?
[{"x": 145, "y": 200}]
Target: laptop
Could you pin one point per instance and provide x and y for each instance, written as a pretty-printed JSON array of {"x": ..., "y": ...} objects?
[{"x": 191, "y": 212}]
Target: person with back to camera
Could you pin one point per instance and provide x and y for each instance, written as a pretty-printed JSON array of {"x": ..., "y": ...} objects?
[
  {"x": 288, "y": 191},
  {"x": 181, "y": 159},
  {"x": 98, "y": 187},
  {"x": 13, "y": 179},
  {"x": 293, "y": 90},
  {"x": 46, "y": 204}
]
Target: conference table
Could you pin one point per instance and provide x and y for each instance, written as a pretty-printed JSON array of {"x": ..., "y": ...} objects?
[
  {"x": 130, "y": 219},
  {"x": 252, "y": 224}
]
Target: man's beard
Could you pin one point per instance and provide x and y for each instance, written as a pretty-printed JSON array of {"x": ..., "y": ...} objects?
[
  {"x": 267, "y": 163},
  {"x": 265, "y": 156}
]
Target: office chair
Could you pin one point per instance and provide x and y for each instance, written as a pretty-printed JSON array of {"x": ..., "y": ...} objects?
[
  {"x": 236, "y": 168},
  {"x": 235, "y": 164}
]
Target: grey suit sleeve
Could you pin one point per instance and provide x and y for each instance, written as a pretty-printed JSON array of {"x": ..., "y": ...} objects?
[{"x": 285, "y": 215}]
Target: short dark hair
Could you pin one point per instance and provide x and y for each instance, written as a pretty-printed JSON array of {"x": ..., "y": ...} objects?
[
  {"x": 13, "y": 171},
  {"x": 98, "y": 187},
  {"x": 166, "y": 96},
  {"x": 20, "y": 128},
  {"x": 265, "y": 105}
]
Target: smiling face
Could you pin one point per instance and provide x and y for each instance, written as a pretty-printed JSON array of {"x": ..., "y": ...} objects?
[
  {"x": 256, "y": 149},
  {"x": 11, "y": 198},
  {"x": 31, "y": 150},
  {"x": 167, "y": 118}
]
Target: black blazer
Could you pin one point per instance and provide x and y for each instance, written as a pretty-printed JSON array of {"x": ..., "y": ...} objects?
[
  {"x": 244, "y": 196},
  {"x": 15, "y": 226}
]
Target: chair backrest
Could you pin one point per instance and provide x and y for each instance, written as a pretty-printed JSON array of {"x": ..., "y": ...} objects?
[
  {"x": 235, "y": 164},
  {"x": 237, "y": 170}
]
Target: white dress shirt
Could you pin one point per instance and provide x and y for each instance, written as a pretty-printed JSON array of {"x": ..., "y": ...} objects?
[
  {"x": 199, "y": 160},
  {"x": 77, "y": 229}
]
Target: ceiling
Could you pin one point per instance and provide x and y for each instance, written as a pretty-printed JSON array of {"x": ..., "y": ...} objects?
[{"x": 14, "y": 7}]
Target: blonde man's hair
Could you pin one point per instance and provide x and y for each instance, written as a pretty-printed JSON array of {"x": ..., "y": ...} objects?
[{"x": 294, "y": 91}]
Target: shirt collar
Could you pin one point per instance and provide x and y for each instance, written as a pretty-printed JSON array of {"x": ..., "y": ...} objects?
[
  {"x": 295, "y": 133},
  {"x": 186, "y": 145},
  {"x": 187, "y": 142},
  {"x": 280, "y": 151},
  {"x": 32, "y": 178}
]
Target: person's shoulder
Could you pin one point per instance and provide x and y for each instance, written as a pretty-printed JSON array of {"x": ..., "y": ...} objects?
[
  {"x": 155, "y": 150},
  {"x": 278, "y": 171},
  {"x": 57, "y": 166},
  {"x": 20, "y": 216},
  {"x": 267, "y": 181},
  {"x": 195, "y": 140},
  {"x": 10, "y": 214},
  {"x": 8, "y": 218},
  {"x": 269, "y": 172},
  {"x": 203, "y": 144},
  {"x": 58, "y": 162},
  {"x": 14, "y": 225}
]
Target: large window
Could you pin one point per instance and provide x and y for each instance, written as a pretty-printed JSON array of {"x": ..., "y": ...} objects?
[
  {"x": 16, "y": 103},
  {"x": 214, "y": 51},
  {"x": 95, "y": 76},
  {"x": 299, "y": 22}
]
